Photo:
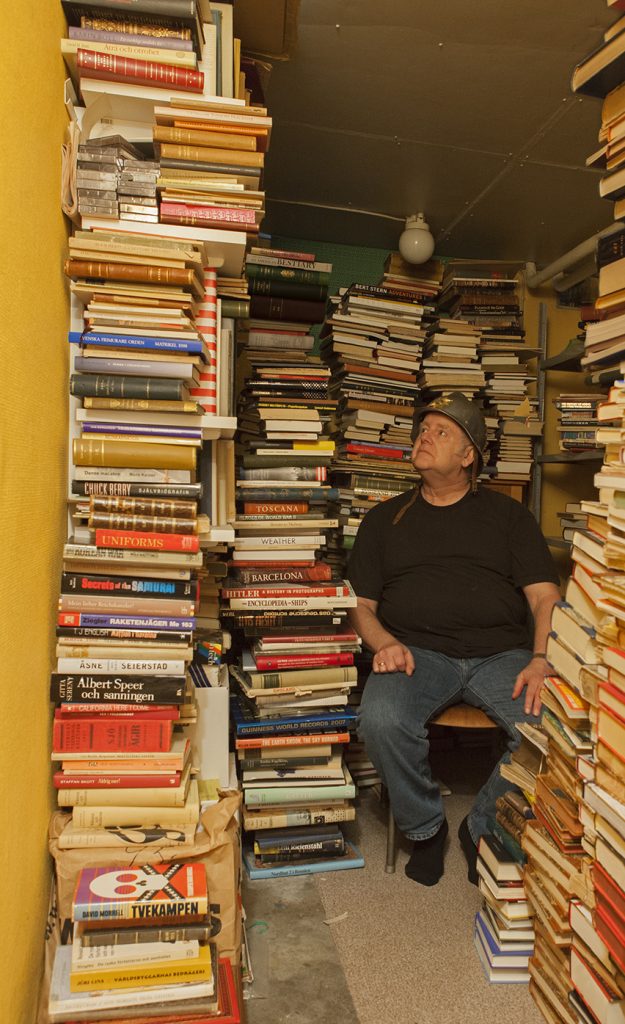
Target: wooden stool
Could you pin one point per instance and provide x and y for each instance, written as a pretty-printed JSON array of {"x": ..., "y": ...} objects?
[{"x": 458, "y": 716}]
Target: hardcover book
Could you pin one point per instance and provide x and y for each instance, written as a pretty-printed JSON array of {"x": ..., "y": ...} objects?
[{"x": 154, "y": 891}]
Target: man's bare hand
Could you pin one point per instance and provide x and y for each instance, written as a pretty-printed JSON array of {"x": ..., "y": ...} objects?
[
  {"x": 531, "y": 679},
  {"x": 393, "y": 658}
]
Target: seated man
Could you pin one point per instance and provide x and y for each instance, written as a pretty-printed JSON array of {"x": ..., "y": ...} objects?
[{"x": 444, "y": 575}]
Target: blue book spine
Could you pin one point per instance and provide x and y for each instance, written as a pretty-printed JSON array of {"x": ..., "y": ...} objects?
[
  {"x": 295, "y": 724},
  {"x": 352, "y": 859},
  {"x": 130, "y": 621},
  {"x": 132, "y": 341},
  {"x": 193, "y": 433}
]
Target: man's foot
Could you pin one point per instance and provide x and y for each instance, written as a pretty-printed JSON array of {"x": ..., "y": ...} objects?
[
  {"x": 469, "y": 849},
  {"x": 426, "y": 860}
]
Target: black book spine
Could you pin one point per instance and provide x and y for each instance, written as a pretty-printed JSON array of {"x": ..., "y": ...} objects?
[
  {"x": 88, "y": 583},
  {"x": 108, "y": 689},
  {"x": 611, "y": 249},
  {"x": 200, "y": 165},
  {"x": 275, "y": 308},
  {"x": 109, "y": 385},
  {"x": 119, "y": 489},
  {"x": 305, "y": 851},
  {"x": 256, "y": 764},
  {"x": 288, "y": 289}
]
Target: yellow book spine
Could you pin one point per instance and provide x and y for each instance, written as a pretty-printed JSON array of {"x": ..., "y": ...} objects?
[
  {"x": 162, "y": 973},
  {"x": 122, "y": 454}
]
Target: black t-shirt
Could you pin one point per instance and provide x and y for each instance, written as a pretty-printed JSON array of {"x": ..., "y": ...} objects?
[{"x": 448, "y": 578}]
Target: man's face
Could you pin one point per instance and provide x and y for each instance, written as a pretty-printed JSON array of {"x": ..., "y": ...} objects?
[{"x": 441, "y": 445}]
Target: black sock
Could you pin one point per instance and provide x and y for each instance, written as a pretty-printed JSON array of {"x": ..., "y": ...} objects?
[
  {"x": 426, "y": 860},
  {"x": 469, "y": 849}
]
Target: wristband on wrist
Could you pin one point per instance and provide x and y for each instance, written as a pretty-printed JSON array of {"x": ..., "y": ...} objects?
[{"x": 539, "y": 654}]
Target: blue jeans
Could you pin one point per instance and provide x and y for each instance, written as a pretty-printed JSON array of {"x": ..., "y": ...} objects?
[{"x": 393, "y": 720}]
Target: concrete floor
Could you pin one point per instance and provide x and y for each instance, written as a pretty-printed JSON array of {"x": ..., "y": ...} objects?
[{"x": 298, "y": 978}]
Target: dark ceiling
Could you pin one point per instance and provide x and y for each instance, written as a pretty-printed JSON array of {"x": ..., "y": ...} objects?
[{"x": 462, "y": 110}]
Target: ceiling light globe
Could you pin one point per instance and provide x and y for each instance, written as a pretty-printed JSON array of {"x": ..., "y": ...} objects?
[{"x": 416, "y": 243}]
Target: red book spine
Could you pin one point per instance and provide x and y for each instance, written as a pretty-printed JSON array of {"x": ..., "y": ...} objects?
[
  {"x": 193, "y": 221},
  {"x": 138, "y": 540},
  {"x": 267, "y": 663},
  {"x": 96, "y": 709},
  {"x": 303, "y": 739},
  {"x": 165, "y": 713},
  {"x": 225, "y": 213},
  {"x": 275, "y": 508},
  {"x": 369, "y": 449},
  {"x": 87, "y": 734},
  {"x": 64, "y": 781},
  {"x": 320, "y": 571},
  {"x": 107, "y": 67}
]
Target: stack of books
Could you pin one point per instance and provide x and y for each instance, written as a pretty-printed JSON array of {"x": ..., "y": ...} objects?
[
  {"x": 129, "y": 591},
  {"x": 141, "y": 943},
  {"x": 557, "y": 868},
  {"x": 450, "y": 359},
  {"x": 372, "y": 341},
  {"x": 423, "y": 281},
  {"x": 578, "y": 421},
  {"x": 573, "y": 518},
  {"x": 98, "y": 170},
  {"x": 283, "y": 604},
  {"x": 182, "y": 49},
  {"x": 294, "y": 779},
  {"x": 136, "y": 191},
  {"x": 504, "y": 933},
  {"x": 479, "y": 304},
  {"x": 211, "y": 164}
]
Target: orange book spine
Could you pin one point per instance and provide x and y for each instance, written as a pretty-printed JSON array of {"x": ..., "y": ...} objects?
[
  {"x": 147, "y": 541},
  {"x": 194, "y": 137},
  {"x": 128, "y": 272}
]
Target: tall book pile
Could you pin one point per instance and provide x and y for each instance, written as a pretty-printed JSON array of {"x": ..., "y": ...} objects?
[
  {"x": 141, "y": 945},
  {"x": 180, "y": 47},
  {"x": 372, "y": 341},
  {"x": 481, "y": 317},
  {"x": 505, "y": 926},
  {"x": 129, "y": 591},
  {"x": 281, "y": 601}
]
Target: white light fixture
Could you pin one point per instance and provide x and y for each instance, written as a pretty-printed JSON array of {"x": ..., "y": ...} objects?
[{"x": 416, "y": 244}]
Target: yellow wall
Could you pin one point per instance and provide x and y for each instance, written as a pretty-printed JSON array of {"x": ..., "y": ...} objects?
[
  {"x": 561, "y": 482},
  {"x": 33, "y": 372}
]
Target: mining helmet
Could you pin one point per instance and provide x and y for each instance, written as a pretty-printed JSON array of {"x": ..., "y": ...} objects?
[{"x": 463, "y": 412}]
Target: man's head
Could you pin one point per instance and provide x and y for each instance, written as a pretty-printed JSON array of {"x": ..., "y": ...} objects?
[{"x": 448, "y": 434}]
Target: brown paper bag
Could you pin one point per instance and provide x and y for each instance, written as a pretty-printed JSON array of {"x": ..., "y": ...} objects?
[{"x": 218, "y": 848}]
